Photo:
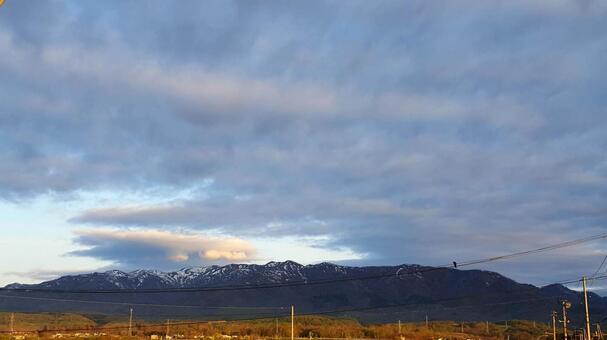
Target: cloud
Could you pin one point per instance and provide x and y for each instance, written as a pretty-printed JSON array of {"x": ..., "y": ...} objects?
[
  {"x": 392, "y": 129},
  {"x": 41, "y": 275},
  {"x": 160, "y": 249},
  {"x": 224, "y": 96}
]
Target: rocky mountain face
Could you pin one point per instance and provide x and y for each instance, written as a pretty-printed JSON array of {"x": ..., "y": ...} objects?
[{"x": 442, "y": 294}]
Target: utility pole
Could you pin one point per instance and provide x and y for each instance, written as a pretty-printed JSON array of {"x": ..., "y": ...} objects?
[
  {"x": 487, "y": 326},
  {"x": 588, "y": 336},
  {"x": 427, "y": 321},
  {"x": 399, "y": 329},
  {"x": 462, "y": 326},
  {"x": 566, "y": 305},
  {"x": 292, "y": 322},
  {"x": 554, "y": 314},
  {"x": 12, "y": 322},
  {"x": 168, "y": 328},
  {"x": 131, "y": 321}
]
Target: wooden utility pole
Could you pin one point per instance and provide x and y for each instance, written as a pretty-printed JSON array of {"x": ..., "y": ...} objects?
[
  {"x": 168, "y": 328},
  {"x": 554, "y": 314},
  {"x": 566, "y": 305},
  {"x": 588, "y": 335},
  {"x": 131, "y": 321},
  {"x": 427, "y": 322},
  {"x": 487, "y": 326},
  {"x": 399, "y": 329},
  {"x": 292, "y": 322},
  {"x": 12, "y": 328}
]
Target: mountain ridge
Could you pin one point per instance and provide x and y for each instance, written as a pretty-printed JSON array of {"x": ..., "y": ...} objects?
[
  {"x": 281, "y": 272},
  {"x": 443, "y": 293}
]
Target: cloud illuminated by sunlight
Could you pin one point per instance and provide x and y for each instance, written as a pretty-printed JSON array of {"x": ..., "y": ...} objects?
[{"x": 152, "y": 246}]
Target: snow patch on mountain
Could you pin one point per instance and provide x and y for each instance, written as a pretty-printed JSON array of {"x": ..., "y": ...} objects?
[{"x": 272, "y": 272}]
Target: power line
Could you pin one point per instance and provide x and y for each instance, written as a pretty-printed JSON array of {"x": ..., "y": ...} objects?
[
  {"x": 599, "y": 277},
  {"x": 151, "y": 316},
  {"x": 337, "y": 311},
  {"x": 327, "y": 312},
  {"x": 538, "y": 250},
  {"x": 563, "y": 282},
  {"x": 598, "y": 270},
  {"x": 317, "y": 282},
  {"x": 342, "y": 310},
  {"x": 133, "y": 303},
  {"x": 601, "y": 266},
  {"x": 436, "y": 309}
]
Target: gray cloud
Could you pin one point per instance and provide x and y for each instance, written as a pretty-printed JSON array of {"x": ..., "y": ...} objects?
[{"x": 398, "y": 130}]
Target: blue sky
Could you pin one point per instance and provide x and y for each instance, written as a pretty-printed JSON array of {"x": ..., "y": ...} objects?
[{"x": 168, "y": 134}]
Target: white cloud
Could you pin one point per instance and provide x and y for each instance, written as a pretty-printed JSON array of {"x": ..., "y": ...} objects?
[{"x": 141, "y": 246}]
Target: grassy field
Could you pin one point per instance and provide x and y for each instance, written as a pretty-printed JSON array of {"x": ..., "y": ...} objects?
[
  {"x": 31, "y": 321},
  {"x": 49, "y": 325}
]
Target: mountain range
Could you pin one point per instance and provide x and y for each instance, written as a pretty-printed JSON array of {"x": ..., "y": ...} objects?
[{"x": 369, "y": 294}]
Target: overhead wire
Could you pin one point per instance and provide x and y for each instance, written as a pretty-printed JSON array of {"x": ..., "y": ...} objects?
[
  {"x": 420, "y": 270},
  {"x": 133, "y": 304},
  {"x": 136, "y": 304},
  {"x": 597, "y": 271},
  {"x": 337, "y": 311},
  {"x": 311, "y": 313},
  {"x": 326, "y": 312}
]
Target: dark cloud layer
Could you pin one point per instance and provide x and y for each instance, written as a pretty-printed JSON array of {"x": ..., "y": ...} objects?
[{"x": 399, "y": 130}]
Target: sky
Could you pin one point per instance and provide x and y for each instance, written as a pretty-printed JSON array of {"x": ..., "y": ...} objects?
[{"x": 161, "y": 134}]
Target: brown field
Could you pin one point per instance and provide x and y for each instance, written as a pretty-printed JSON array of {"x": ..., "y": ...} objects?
[{"x": 72, "y": 326}]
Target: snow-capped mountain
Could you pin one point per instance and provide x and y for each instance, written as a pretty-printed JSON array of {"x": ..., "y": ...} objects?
[
  {"x": 443, "y": 293},
  {"x": 272, "y": 272}
]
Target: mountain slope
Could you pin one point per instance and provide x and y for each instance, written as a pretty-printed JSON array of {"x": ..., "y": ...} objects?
[{"x": 440, "y": 294}]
